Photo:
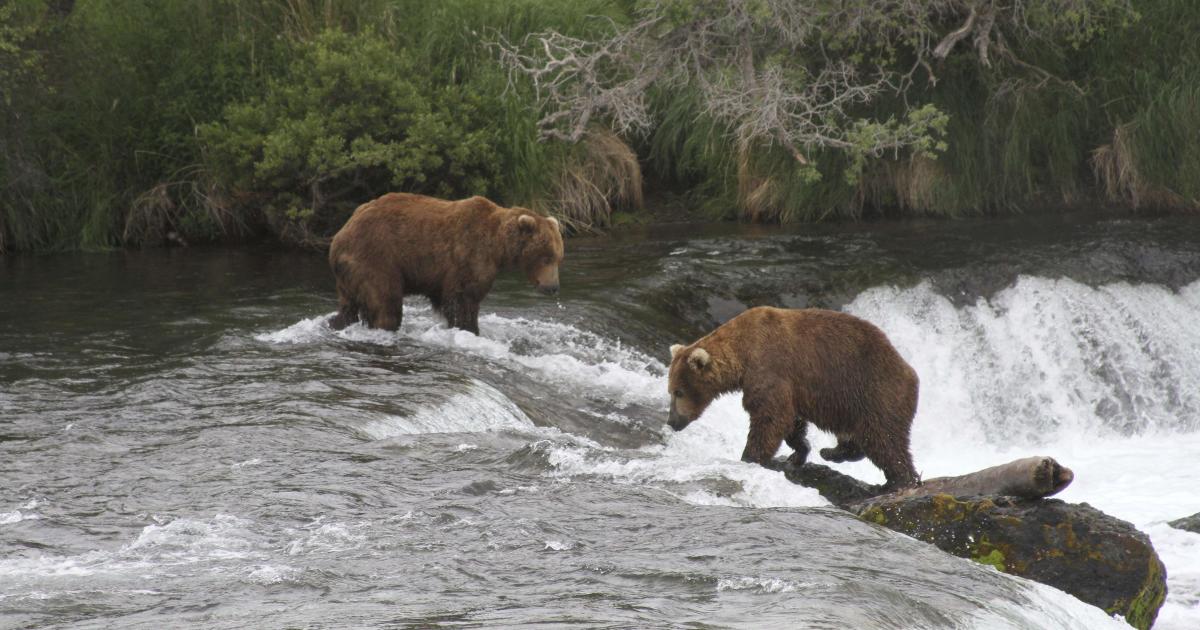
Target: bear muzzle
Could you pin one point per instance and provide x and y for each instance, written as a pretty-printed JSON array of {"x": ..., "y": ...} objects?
[
  {"x": 546, "y": 279},
  {"x": 676, "y": 420}
]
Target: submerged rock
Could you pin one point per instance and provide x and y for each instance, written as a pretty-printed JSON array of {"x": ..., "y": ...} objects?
[
  {"x": 1076, "y": 548},
  {"x": 1188, "y": 523}
]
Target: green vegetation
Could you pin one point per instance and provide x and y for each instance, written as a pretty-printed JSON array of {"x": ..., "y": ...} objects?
[{"x": 123, "y": 121}]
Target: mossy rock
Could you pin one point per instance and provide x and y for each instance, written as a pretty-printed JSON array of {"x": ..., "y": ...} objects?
[
  {"x": 1100, "y": 559},
  {"x": 1076, "y": 548}
]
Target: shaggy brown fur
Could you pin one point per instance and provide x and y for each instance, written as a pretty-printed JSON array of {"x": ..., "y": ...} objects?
[
  {"x": 449, "y": 251},
  {"x": 798, "y": 366}
]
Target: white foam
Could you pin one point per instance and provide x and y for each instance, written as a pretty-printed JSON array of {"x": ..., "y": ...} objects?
[
  {"x": 758, "y": 585},
  {"x": 708, "y": 449},
  {"x": 559, "y": 353},
  {"x": 23, "y": 513},
  {"x": 1105, "y": 379},
  {"x": 190, "y": 540},
  {"x": 268, "y": 574},
  {"x": 321, "y": 537},
  {"x": 481, "y": 408},
  {"x": 16, "y": 516},
  {"x": 177, "y": 542},
  {"x": 303, "y": 331}
]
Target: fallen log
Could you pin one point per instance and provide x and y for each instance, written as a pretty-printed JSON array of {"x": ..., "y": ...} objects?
[
  {"x": 998, "y": 517},
  {"x": 1029, "y": 478}
]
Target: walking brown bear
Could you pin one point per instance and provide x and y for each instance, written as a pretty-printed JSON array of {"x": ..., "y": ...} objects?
[
  {"x": 799, "y": 366},
  {"x": 449, "y": 251}
]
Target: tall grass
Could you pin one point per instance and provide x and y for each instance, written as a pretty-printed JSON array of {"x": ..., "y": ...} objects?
[
  {"x": 1011, "y": 146},
  {"x": 101, "y": 105},
  {"x": 106, "y": 152}
]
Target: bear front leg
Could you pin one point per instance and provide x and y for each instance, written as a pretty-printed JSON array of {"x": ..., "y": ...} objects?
[
  {"x": 468, "y": 315},
  {"x": 772, "y": 418},
  {"x": 461, "y": 311},
  {"x": 766, "y": 436}
]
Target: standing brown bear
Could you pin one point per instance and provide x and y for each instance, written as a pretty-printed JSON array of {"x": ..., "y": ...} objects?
[
  {"x": 449, "y": 251},
  {"x": 798, "y": 366}
]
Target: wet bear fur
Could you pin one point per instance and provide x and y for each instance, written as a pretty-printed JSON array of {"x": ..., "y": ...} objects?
[
  {"x": 448, "y": 251},
  {"x": 832, "y": 369}
]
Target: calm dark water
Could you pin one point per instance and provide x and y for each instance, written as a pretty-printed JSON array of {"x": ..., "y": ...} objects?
[{"x": 183, "y": 443}]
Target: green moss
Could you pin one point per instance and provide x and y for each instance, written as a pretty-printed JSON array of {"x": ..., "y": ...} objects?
[
  {"x": 994, "y": 558},
  {"x": 875, "y": 515},
  {"x": 1142, "y": 610},
  {"x": 946, "y": 508}
]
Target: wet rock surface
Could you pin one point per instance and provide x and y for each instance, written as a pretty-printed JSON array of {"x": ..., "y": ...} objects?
[
  {"x": 1100, "y": 559},
  {"x": 1188, "y": 523}
]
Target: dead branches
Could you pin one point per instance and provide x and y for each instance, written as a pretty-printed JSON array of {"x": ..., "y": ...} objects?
[{"x": 793, "y": 73}]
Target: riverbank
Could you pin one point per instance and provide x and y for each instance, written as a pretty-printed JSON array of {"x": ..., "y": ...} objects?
[{"x": 124, "y": 123}]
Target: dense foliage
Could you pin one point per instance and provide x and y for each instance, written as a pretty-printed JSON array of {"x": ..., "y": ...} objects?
[
  {"x": 351, "y": 116},
  {"x": 123, "y": 121}
]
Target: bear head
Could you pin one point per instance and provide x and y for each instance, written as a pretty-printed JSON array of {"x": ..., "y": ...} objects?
[
  {"x": 693, "y": 383},
  {"x": 540, "y": 250}
]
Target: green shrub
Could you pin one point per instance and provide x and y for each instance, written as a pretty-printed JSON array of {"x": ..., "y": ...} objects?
[{"x": 351, "y": 117}]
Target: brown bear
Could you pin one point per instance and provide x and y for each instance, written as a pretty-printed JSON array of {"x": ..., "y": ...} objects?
[
  {"x": 449, "y": 251},
  {"x": 799, "y": 366}
]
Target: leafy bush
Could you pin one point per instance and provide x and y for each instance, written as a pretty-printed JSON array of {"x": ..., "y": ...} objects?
[{"x": 349, "y": 118}]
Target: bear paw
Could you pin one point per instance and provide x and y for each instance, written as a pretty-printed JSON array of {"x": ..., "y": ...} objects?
[{"x": 843, "y": 452}]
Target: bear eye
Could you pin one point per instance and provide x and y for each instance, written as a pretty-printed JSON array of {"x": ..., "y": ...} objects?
[{"x": 679, "y": 393}]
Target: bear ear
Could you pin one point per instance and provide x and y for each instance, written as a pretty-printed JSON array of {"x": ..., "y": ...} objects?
[
  {"x": 527, "y": 223},
  {"x": 554, "y": 222},
  {"x": 675, "y": 348},
  {"x": 699, "y": 359}
]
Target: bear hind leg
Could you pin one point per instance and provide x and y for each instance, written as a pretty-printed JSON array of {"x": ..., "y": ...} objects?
[
  {"x": 890, "y": 453},
  {"x": 798, "y": 443},
  {"x": 847, "y": 450},
  {"x": 385, "y": 309},
  {"x": 347, "y": 312}
]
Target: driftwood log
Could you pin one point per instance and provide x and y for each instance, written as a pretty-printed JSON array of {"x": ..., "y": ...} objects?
[
  {"x": 999, "y": 516},
  {"x": 1028, "y": 478}
]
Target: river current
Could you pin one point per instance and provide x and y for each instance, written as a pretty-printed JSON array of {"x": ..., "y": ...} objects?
[{"x": 185, "y": 443}]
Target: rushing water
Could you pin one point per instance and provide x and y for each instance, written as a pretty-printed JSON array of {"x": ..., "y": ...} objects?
[{"x": 184, "y": 443}]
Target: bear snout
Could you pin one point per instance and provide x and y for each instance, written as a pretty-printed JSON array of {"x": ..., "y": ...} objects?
[
  {"x": 676, "y": 420},
  {"x": 548, "y": 289}
]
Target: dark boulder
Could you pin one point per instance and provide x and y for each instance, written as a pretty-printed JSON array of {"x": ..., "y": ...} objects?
[{"x": 1076, "y": 548}]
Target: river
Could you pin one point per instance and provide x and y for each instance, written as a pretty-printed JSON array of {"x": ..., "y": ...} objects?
[{"x": 185, "y": 443}]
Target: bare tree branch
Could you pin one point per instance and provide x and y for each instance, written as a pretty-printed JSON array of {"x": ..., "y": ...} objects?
[{"x": 793, "y": 73}]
